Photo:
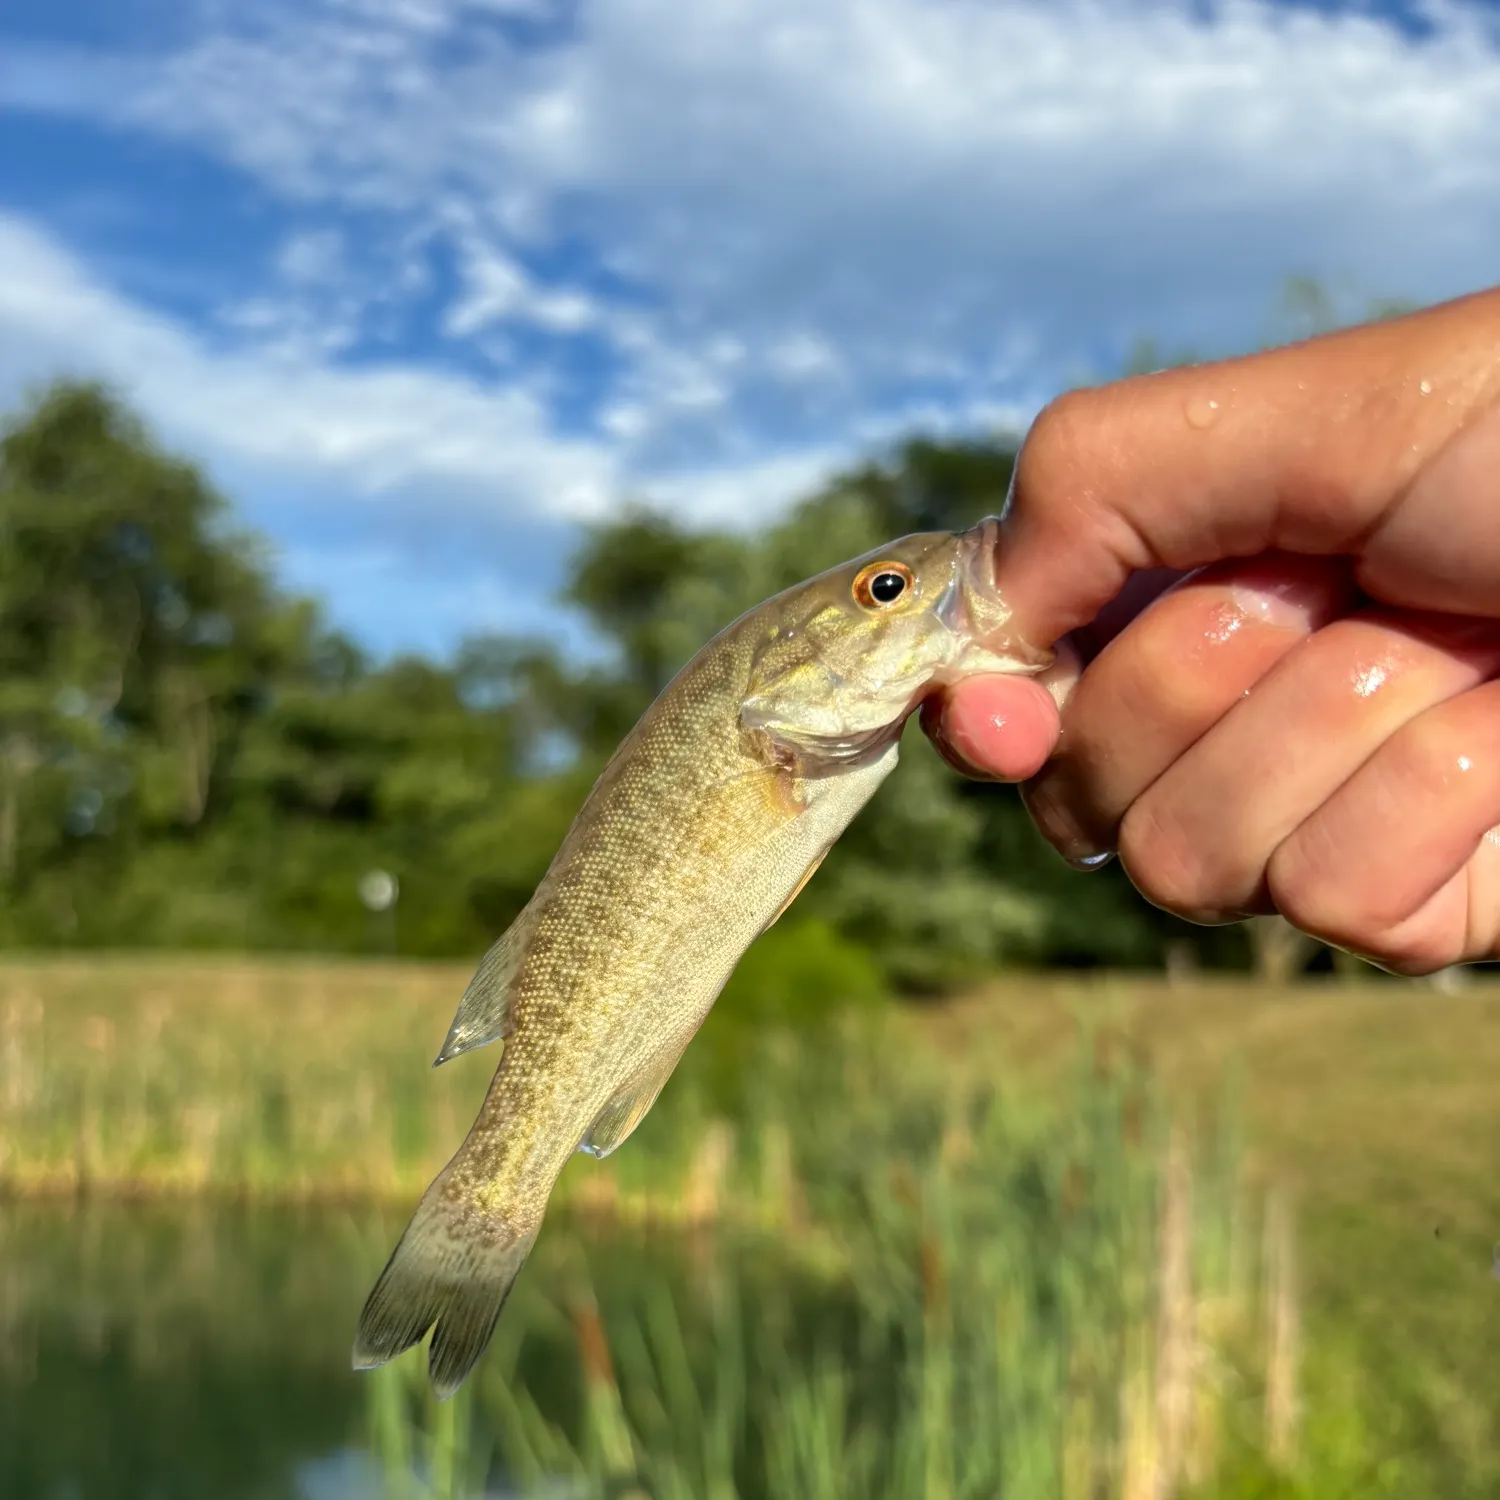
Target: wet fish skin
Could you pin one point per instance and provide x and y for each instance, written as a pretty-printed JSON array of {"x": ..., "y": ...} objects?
[{"x": 705, "y": 824}]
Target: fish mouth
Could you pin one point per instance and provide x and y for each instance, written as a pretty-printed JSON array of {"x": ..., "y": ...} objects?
[
  {"x": 975, "y": 611},
  {"x": 977, "y": 549}
]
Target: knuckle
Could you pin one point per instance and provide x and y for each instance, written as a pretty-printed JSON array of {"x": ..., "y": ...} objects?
[
  {"x": 1208, "y": 880},
  {"x": 1429, "y": 939},
  {"x": 1061, "y": 434},
  {"x": 1344, "y": 913},
  {"x": 1425, "y": 760},
  {"x": 1304, "y": 895},
  {"x": 1159, "y": 680},
  {"x": 1163, "y": 865},
  {"x": 1411, "y": 961}
]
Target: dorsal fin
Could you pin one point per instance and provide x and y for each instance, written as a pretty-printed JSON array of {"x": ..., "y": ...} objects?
[{"x": 483, "y": 1014}]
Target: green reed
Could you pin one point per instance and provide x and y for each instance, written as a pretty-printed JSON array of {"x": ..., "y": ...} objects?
[
  {"x": 266, "y": 1080},
  {"x": 287, "y": 1080},
  {"x": 946, "y": 1292},
  {"x": 829, "y": 1263}
]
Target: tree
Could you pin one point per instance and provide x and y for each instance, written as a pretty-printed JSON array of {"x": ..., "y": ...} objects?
[
  {"x": 133, "y": 634},
  {"x": 190, "y": 757}
]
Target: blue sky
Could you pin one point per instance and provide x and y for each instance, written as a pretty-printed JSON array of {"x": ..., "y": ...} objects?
[{"x": 427, "y": 283}]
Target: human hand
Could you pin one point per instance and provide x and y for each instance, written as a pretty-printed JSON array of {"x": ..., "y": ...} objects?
[{"x": 1305, "y": 721}]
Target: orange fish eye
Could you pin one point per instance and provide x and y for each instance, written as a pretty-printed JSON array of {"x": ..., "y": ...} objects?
[{"x": 881, "y": 584}]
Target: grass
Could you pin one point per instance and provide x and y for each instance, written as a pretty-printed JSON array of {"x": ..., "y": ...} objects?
[
  {"x": 1023, "y": 1302},
  {"x": 1370, "y": 1110},
  {"x": 1375, "y": 1107},
  {"x": 270, "y": 1080}
]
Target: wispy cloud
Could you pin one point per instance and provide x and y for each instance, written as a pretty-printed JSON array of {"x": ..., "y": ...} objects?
[
  {"x": 377, "y": 427},
  {"x": 534, "y": 257}
]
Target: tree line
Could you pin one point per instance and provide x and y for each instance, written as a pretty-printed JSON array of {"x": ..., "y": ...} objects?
[{"x": 192, "y": 757}]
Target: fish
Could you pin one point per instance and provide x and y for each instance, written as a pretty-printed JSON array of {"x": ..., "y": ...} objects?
[{"x": 702, "y": 829}]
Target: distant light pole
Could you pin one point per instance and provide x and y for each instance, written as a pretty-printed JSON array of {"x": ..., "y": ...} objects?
[{"x": 379, "y": 891}]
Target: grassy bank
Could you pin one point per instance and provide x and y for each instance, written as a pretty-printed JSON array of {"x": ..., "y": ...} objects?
[
  {"x": 1376, "y": 1108},
  {"x": 271, "y": 1080},
  {"x": 963, "y": 1149}
]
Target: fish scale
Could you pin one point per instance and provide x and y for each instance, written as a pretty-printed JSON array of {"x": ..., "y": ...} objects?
[{"x": 707, "y": 821}]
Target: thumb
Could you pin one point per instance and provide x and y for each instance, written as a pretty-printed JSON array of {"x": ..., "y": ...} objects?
[{"x": 1307, "y": 449}]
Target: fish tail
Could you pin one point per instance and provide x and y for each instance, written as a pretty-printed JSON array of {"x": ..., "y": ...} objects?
[{"x": 451, "y": 1271}]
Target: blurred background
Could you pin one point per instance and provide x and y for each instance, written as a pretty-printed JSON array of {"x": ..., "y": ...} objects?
[{"x": 396, "y": 393}]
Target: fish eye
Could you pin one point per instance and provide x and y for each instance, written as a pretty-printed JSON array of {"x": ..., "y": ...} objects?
[{"x": 881, "y": 584}]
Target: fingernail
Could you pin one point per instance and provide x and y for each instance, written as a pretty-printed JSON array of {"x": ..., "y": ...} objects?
[
  {"x": 1047, "y": 802},
  {"x": 1090, "y": 861},
  {"x": 1062, "y": 676}
]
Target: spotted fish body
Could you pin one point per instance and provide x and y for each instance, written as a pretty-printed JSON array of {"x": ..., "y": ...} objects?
[{"x": 701, "y": 830}]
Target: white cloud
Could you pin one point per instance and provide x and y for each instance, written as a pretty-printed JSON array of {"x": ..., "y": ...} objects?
[
  {"x": 791, "y": 229},
  {"x": 372, "y": 428},
  {"x": 498, "y": 289},
  {"x": 804, "y": 356},
  {"x": 900, "y": 180},
  {"x": 313, "y": 257},
  {"x": 747, "y": 495},
  {"x": 437, "y": 440}
]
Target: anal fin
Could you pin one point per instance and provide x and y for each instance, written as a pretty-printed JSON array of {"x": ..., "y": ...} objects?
[
  {"x": 483, "y": 1014},
  {"x": 614, "y": 1123},
  {"x": 808, "y": 874}
]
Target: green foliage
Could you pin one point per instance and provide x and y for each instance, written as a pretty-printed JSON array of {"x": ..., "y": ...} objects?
[
  {"x": 801, "y": 969},
  {"x": 191, "y": 757},
  {"x": 962, "y": 1293},
  {"x": 133, "y": 1079}
]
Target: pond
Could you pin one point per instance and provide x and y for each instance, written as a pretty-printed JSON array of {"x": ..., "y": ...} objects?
[
  {"x": 974, "y": 1313},
  {"x": 151, "y": 1352},
  {"x": 175, "y": 1351},
  {"x": 187, "y": 1350}
]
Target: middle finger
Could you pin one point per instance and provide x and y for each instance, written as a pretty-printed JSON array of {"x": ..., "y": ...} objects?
[
  {"x": 1199, "y": 839},
  {"x": 1165, "y": 679}
]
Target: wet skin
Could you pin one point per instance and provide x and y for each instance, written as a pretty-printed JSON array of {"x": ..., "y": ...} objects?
[{"x": 1290, "y": 703}]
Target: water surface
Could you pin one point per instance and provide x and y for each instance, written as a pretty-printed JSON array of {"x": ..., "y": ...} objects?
[
  {"x": 184, "y": 1350},
  {"x": 177, "y": 1351}
]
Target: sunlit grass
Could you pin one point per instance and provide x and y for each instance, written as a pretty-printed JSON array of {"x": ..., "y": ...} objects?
[
  {"x": 829, "y": 1155},
  {"x": 264, "y": 1080},
  {"x": 1025, "y": 1301},
  {"x": 1374, "y": 1106}
]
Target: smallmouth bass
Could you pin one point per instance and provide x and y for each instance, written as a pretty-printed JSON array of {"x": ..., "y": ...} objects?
[{"x": 706, "y": 823}]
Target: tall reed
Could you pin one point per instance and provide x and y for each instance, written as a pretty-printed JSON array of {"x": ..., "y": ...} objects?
[{"x": 977, "y": 1296}]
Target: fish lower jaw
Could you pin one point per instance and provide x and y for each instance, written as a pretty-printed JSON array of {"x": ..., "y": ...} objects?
[{"x": 976, "y": 660}]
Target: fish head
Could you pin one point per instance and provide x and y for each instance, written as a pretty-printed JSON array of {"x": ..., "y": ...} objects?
[{"x": 841, "y": 660}]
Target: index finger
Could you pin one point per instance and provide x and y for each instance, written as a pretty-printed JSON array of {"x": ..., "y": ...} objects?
[{"x": 1311, "y": 448}]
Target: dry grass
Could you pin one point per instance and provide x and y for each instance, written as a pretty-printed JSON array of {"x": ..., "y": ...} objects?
[
  {"x": 1376, "y": 1100},
  {"x": 267, "y": 1079},
  {"x": 1376, "y": 1107},
  {"x": 1345, "y": 1085}
]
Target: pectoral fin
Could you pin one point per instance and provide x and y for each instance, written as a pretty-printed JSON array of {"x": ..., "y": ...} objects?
[
  {"x": 484, "y": 1012},
  {"x": 629, "y": 1106},
  {"x": 811, "y": 870}
]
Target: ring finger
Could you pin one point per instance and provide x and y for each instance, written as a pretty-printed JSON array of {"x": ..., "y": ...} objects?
[{"x": 1401, "y": 864}]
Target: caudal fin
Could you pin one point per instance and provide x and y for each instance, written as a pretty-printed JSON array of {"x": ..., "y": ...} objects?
[{"x": 447, "y": 1273}]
